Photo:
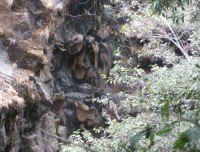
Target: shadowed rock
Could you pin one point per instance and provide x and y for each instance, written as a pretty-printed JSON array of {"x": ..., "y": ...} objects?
[
  {"x": 79, "y": 72},
  {"x": 58, "y": 103}
]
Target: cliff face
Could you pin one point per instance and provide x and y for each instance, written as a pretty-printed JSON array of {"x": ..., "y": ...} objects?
[{"x": 52, "y": 53}]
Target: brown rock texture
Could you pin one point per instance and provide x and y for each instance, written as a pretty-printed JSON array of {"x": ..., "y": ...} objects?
[{"x": 47, "y": 51}]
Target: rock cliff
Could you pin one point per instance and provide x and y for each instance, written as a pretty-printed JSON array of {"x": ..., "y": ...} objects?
[{"x": 52, "y": 55}]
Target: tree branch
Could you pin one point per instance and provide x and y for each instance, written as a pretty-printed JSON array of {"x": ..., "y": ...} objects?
[
  {"x": 86, "y": 12},
  {"x": 178, "y": 42}
]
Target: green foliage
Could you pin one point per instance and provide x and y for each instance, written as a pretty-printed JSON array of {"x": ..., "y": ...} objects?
[
  {"x": 190, "y": 138},
  {"x": 123, "y": 71},
  {"x": 165, "y": 110},
  {"x": 162, "y": 91},
  {"x": 181, "y": 141},
  {"x": 175, "y": 6},
  {"x": 157, "y": 51},
  {"x": 165, "y": 131},
  {"x": 160, "y": 109},
  {"x": 104, "y": 100},
  {"x": 178, "y": 81},
  {"x": 135, "y": 139}
]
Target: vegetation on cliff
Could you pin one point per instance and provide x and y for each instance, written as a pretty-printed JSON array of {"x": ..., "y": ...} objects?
[
  {"x": 159, "y": 100},
  {"x": 99, "y": 75}
]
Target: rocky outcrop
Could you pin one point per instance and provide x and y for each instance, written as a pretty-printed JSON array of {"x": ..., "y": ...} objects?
[{"x": 52, "y": 53}]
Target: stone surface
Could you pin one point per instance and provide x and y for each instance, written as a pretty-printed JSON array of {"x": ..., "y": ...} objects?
[{"x": 39, "y": 53}]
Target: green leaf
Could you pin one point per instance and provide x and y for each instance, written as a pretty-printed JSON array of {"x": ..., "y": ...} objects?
[
  {"x": 165, "y": 110},
  {"x": 135, "y": 139},
  {"x": 198, "y": 66},
  {"x": 194, "y": 134},
  {"x": 182, "y": 140},
  {"x": 175, "y": 122},
  {"x": 164, "y": 131},
  {"x": 180, "y": 111},
  {"x": 152, "y": 138}
]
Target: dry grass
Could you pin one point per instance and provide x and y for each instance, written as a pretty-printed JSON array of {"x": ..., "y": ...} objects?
[{"x": 9, "y": 96}]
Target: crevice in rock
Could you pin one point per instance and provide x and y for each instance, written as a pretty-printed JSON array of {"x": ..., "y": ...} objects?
[{"x": 58, "y": 53}]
